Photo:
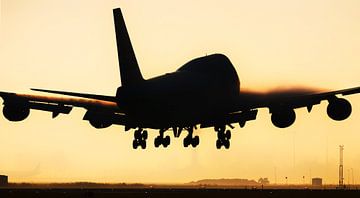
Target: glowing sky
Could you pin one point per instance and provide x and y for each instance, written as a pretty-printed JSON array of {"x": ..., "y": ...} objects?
[{"x": 70, "y": 45}]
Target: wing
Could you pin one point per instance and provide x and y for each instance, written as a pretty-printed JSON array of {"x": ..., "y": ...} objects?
[
  {"x": 281, "y": 104},
  {"x": 102, "y": 111},
  {"x": 294, "y": 98}
]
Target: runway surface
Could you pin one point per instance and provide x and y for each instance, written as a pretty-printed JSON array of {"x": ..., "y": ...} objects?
[{"x": 176, "y": 192}]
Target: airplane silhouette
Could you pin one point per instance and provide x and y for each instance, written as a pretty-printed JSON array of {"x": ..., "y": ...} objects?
[{"x": 205, "y": 92}]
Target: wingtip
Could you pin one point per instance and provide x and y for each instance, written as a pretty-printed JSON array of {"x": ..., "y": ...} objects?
[{"x": 34, "y": 89}]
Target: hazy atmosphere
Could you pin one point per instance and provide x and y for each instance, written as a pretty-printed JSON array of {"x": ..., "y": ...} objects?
[{"x": 70, "y": 45}]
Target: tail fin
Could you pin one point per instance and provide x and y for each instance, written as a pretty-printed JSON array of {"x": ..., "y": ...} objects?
[{"x": 129, "y": 69}]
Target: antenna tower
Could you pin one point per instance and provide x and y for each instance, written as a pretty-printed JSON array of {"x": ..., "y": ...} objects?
[{"x": 341, "y": 168}]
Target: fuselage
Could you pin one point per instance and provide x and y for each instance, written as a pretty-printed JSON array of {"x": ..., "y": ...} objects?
[{"x": 201, "y": 90}]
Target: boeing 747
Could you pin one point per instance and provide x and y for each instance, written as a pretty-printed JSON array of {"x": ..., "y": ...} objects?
[{"x": 204, "y": 92}]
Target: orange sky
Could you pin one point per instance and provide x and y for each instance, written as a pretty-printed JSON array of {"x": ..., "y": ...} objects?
[{"x": 70, "y": 45}]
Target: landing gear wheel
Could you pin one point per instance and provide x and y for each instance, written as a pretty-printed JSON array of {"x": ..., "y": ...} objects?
[
  {"x": 166, "y": 141},
  {"x": 228, "y": 134},
  {"x": 137, "y": 134},
  {"x": 227, "y": 144},
  {"x": 218, "y": 144},
  {"x": 135, "y": 144},
  {"x": 143, "y": 144},
  {"x": 145, "y": 135},
  {"x": 195, "y": 141},
  {"x": 186, "y": 142},
  {"x": 157, "y": 141},
  {"x": 220, "y": 135}
]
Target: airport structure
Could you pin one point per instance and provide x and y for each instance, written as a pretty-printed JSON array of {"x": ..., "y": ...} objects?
[
  {"x": 3, "y": 180},
  {"x": 316, "y": 181},
  {"x": 341, "y": 168}
]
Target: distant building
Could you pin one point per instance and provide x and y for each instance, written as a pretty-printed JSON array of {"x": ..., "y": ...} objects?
[
  {"x": 264, "y": 181},
  {"x": 225, "y": 182},
  {"x": 316, "y": 181},
  {"x": 3, "y": 180}
]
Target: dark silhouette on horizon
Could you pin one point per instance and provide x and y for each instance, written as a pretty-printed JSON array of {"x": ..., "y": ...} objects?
[{"x": 205, "y": 92}]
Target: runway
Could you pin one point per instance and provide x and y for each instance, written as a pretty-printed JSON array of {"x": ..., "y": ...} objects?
[{"x": 173, "y": 192}]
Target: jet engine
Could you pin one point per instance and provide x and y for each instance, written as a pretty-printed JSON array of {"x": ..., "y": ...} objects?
[
  {"x": 98, "y": 120},
  {"x": 99, "y": 123},
  {"x": 16, "y": 112},
  {"x": 283, "y": 118},
  {"x": 339, "y": 109}
]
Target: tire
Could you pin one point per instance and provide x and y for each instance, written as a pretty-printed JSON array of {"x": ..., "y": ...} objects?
[
  {"x": 218, "y": 144},
  {"x": 195, "y": 141},
  {"x": 227, "y": 144},
  {"x": 137, "y": 134},
  {"x": 228, "y": 134},
  {"x": 143, "y": 144},
  {"x": 220, "y": 135},
  {"x": 135, "y": 144},
  {"x": 166, "y": 141},
  {"x": 145, "y": 135},
  {"x": 157, "y": 142},
  {"x": 186, "y": 142}
]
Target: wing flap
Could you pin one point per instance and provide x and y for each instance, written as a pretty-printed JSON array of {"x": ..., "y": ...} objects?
[{"x": 56, "y": 109}]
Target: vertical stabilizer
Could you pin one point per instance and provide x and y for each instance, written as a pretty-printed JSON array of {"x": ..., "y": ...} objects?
[{"x": 129, "y": 69}]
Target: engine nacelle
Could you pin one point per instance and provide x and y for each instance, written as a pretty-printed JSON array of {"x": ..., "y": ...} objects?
[
  {"x": 339, "y": 109},
  {"x": 98, "y": 120},
  {"x": 16, "y": 112},
  {"x": 283, "y": 118},
  {"x": 99, "y": 124}
]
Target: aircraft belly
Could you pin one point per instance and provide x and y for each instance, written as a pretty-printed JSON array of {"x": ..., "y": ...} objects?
[{"x": 166, "y": 114}]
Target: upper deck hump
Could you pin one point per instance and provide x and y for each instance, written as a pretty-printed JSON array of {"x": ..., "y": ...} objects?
[{"x": 216, "y": 64}]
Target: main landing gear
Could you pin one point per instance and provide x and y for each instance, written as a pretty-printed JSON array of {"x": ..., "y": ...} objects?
[
  {"x": 223, "y": 137},
  {"x": 140, "y": 137},
  {"x": 161, "y": 140},
  {"x": 189, "y": 139}
]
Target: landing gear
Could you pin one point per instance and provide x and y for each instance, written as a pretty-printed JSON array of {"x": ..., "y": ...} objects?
[
  {"x": 140, "y": 137},
  {"x": 223, "y": 137},
  {"x": 161, "y": 140},
  {"x": 177, "y": 131},
  {"x": 189, "y": 139}
]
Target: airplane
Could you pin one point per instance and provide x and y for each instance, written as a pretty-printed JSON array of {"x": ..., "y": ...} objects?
[{"x": 204, "y": 92}]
